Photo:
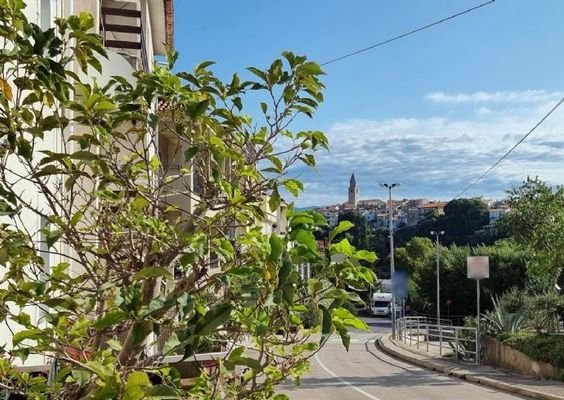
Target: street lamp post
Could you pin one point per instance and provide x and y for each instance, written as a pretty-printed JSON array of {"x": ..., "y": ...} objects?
[
  {"x": 390, "y": 186},
  {"x": 437, "y": 235}
]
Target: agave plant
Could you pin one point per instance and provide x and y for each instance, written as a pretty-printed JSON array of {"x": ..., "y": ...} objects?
[{"x": 499, "y": 321}]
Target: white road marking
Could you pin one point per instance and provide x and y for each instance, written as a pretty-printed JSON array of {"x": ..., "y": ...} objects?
[{"x": 334, "y": 375}]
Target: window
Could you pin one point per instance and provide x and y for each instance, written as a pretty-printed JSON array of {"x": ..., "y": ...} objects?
[{"x": 45, "y": 14}]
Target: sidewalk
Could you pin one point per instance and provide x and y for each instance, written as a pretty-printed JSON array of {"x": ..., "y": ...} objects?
[{"x": 480, "y": 374}]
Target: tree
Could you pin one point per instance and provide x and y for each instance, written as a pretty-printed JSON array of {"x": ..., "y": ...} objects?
[
  {"x": 507, "y": 270},
  {"x": 537, "y": 222},
  {"x": 462, "y": 218},
  {"x": 358, "y": 235},
  {"x": 137, "y": 241}
]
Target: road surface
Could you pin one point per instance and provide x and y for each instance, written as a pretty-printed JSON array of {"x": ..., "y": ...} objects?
[{"x": 364, "y": 373}]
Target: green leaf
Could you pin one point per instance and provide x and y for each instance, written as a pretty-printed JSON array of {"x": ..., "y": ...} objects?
[
  {"x": 249, "y": 362},
  {"x": 104, "y": 106},
  {"x": 344, "y": 316},
  {"x": 214, "y": 318},
  {"x": 51, "y": 237},
  {"x": 171, "y": 344},
  {"x": 81, "y": 376},
  {"x": 3, "y": 256},
  {"x": 152, "y": 272},
  {"x": 305, "y": 238},
  {"x": 343, "y": 247},
  {"x": 138, "y": 378},
  {"x": 326, "y": 321},
  {"x": 288, "y": 291},
  {"x": 76, "y": 218},
  {"x": 24, "y": 148},
  {"x": 162, "y": 392},
  {"x": 345, "y": 338},
  {"x": 274, "y": 200},
  {"x": 342, "y": 227},
  {"x": 110, "y": 319},
  {"x": 204, "y": 65},
  {"x": 293, "y": 186},
  {"x": 136, "y": 384},
  {"x": 285, "y": 269},
  {"x": 258, "y": 73},
  {"x": 28, "y": 334},
  {"x": 84, "y": 156},
  {"x": 311, "y": 68},
  {"x": 139, "y": 333},
  {"x": 197, "y": 109},
  {"x": 155, "y": 163},
  {"x": 301, "y": 219},
  {"x": 140, "y": 203},
  {"x": 114, "y": 344},
  {"x": 369, "y": 256},
  {"x": 190, "y": 153},
  {"x": 275, "y": 247}
]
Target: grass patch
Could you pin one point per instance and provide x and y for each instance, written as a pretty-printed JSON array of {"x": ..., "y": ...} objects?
[{"x": 539, "y": 347}]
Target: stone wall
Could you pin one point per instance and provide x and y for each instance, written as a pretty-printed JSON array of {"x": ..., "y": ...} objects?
[{"x": 502, "y": 356}]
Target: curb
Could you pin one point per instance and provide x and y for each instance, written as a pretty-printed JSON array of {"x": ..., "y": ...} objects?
[{"x": 463, "y": 374}]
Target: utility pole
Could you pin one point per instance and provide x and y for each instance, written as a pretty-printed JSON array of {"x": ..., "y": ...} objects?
[
  {"x": 392, "y": 267},
  {"x": 437, "y": 235}
]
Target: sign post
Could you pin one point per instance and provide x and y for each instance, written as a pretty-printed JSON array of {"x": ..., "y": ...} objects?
[
  {"x": 478, "y": 268},
  {"x": 399, "y": 292}
]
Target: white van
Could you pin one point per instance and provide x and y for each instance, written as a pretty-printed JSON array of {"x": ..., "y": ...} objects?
[{"x": 381, "y": 304}]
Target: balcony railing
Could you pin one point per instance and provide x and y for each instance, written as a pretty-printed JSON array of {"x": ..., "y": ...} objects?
[
  {"x": 183, "y": 183},
  {"x": 122, "y": 30}
]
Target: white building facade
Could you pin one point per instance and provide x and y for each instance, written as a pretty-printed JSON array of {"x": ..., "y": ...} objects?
[{"x": 134, "y": 33}]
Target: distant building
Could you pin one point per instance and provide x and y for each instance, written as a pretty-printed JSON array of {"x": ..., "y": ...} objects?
[
  {"x": 416, "y": 214},
  {"x": 497, "y": 213},
  {"x": 353, "y": 192},
  {"x": 371, "y": 204}
]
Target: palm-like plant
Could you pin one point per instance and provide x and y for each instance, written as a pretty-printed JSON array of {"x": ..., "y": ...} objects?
[{"x": 499, "y": 321}]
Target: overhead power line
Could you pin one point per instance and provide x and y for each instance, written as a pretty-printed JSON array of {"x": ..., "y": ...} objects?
[
  {"x": 387, "y": 41},
  {"x": 498, "y": 161},
  {"x": 503, "y": 157}
]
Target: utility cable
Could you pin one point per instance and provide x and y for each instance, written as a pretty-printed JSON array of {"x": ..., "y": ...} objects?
[
  {"x": 503, "y": 157},
  {"x": 387, "y": 41}
]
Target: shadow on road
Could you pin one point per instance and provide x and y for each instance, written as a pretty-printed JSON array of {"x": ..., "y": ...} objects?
[
  {"x": 382, "y": 380},
  {"x": 378, "y": 323}
]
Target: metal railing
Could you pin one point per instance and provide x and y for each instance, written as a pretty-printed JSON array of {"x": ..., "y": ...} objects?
[{"x": 427, "y": 334}]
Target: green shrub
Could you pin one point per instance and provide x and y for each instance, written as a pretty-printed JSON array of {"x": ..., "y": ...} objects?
[
  {"x": 513, "y": 301},
  {"x": 539, "y": 347},
  {"x": 544, "y": 309}
]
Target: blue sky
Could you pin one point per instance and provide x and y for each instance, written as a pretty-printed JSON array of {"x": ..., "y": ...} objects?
[{"x": 431, "y": 111}]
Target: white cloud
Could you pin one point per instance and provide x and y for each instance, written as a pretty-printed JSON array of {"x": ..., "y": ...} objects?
[
  {"x": 438, "y": 157},
  {"x": 483, "y": 111},
  {"x": 526, "y": 96}
]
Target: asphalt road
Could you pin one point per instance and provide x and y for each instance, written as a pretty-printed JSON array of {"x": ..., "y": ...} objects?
[{"x": 364, "y": 373}]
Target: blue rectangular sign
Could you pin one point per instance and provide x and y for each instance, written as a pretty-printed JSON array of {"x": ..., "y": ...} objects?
[{"x": 399, "y": 284}]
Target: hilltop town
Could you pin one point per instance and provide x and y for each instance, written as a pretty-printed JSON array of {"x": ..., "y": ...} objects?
[{"x": 406, "y": 212}]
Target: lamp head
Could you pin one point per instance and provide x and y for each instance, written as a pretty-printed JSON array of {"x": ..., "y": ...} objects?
[{"x": 389, "y": 185}]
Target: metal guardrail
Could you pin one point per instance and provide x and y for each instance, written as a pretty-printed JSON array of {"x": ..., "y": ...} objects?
[{"x": 426, "y": 333}]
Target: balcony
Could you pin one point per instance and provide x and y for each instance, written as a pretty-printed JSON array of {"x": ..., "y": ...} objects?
[{"x": 123, "y": 29}]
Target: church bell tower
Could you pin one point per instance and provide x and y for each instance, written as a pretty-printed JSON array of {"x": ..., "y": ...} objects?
[{"x": 353, "y": 192}]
